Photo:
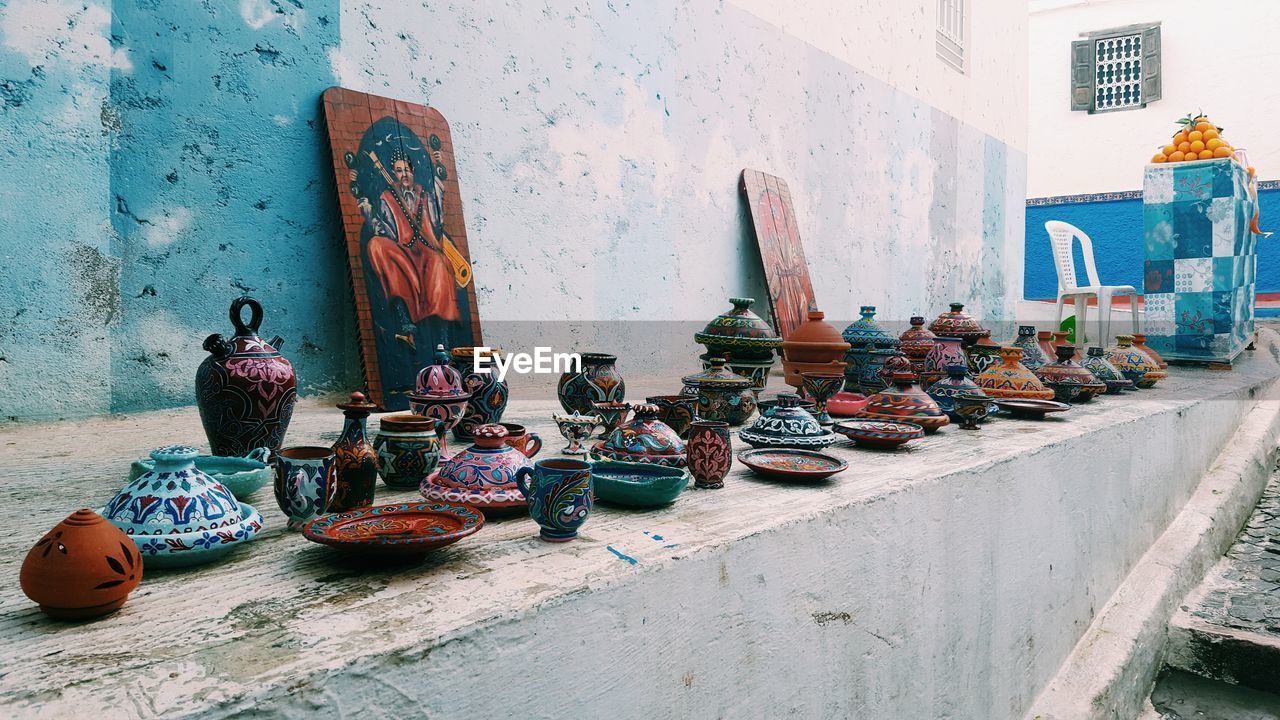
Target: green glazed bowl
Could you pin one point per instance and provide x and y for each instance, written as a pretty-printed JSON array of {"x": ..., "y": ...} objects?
[
  {"x": 637, "y": 484},
  {"x": 243, "y": 476}
]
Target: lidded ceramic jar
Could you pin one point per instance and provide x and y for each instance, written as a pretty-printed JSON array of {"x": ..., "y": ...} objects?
[
  {"x": 408, "y": 447},
  {"x": 1134, "y": 364},
  {"x": 1069, "y": 380},
  {"x": 439, "y": 393},
  {"x": 722, "y": 394},
  {"x": 785, "y": 424},
  {"x": 597, "y": 381},
  {"x": 179, "y": 516},
  {"x": 1033, "y": 357},
  {"x": 956, "y": 384},
  {"x": 1011, "y": 379},
  {"x": 1097, "y": 363},
  {"x": 1140, "y": 342},
  {"x": 482, "y": 476},
  {"x": 916, "y": 342},
  {"x": 488, "y": 393},
  {"x": 958, "y": 324},
  {"x": 739, "y": 334},
  {"x": 644, "y": 439},
  {"x": 83, "y": 568},
  {"x": 904, "y": 402},
  {"x": 866, "y": 331}
]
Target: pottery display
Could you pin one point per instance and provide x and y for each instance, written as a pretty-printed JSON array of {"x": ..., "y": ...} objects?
[
  {"x": 245, "y": 389},
  {"x": 785, "y": 425},
  {"x": 722, "y": 394},
  {"x": 709, "y": 453},
  {"x": 1069, "y": 380},
  {"x": 905, "y": 402},
  {"x": 821, "y": 387},
  {"x": 866, "y": 369},
  {"x": 947, "y": 351},
  {"x": 789, "y": 464},
  {"x": 1140, "y": 342},
  {"x": 83, "y": 568},
  {"x": 1044, "y": 338},
  {"x": 355, "y": 458},
  {"x": 744, "y": 338},
  {"x": 560, "y": 494},
  {"x": 596, "y": 381},
  {"x": 306, "y": 478},
  {"x": 814, "y": 341},
  {"x": 678, "y": 411},
  {"x": 1033, "y": 356},
  {"x": 972, "y": 409},
  {"x": 1134, "y": 364},
  {"x": 243, "y": 476},
  {"x": 612, "y": 414},
  {"x": 1011, "y": 379},
  {"x": 637, "y": 484},
  {"x": 488, "y": 393},
  {"x": 645, "y": 439},
  {"x": 958, "y": 324},
  {"x": 1030, "y": 409},
  {"x": 482, "y": 476},
  {"x": 576, "y": 429},
  {"x": 916, "y": 342},
  {"x": 408, "y": 448},
  {"x": 879, "y": 433},
  {"x": 522, "y": 439},
  {"x": 401, "y": 529},
  {"x": 1096, "y": 362},
  {"x": 179, "y": 516},
  {"x": 982, "y": 354},
  {"x": 956, "y": 383},
  {"x": 846, "y": 404},
  {"x": 438, "y": 393}
]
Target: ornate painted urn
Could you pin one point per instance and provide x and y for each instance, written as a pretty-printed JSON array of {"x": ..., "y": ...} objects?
[
  {"x": 482, "y": 476},
  {"x": 439, "y": 393},
  {"x": 1011, "y": 379},
  {"x": 488, "y": 393},
  {"x": 785, "y": 424},
  {"x": 947, "y": 351},
  {"x": 905, "y": 402},
  {"x": 1134, "y": 364},
  {"x": 722, "y": 394},
  {"x": 1033, "y": 356},
  {"x": 1069, "y": 380},
  {"x": 956, "y": 384},
  {"x": 916, "y": 342},
  {"x": 958, "y": 324},
  {"x": 982, "y": 354},
  {"x": 645, "y": 439},
  {"x": 1097, "y": 363},
  {"x": 597, "y": 381},
  {"x": 355, "y": 458},
  {"x": 742, "y": 337}
]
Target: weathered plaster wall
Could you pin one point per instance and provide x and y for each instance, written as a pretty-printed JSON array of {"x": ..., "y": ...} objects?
[{"x": 600, "y": 150}]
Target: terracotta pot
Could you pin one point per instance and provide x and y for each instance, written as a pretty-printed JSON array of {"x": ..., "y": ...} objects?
[
  {"x": 1044, "y": 339},
  {"x": 1140, "y": 342},
  {"x": 83, "y": 568},
  {"x": 1069, "y": 380},
  {"x": 354, "y": 457},
  {"x": 814, "y": 341},
  {"x": 245, "y": 389},
  {"x": 905, "y": 402},
  {"x": 1011, "y": 379}
]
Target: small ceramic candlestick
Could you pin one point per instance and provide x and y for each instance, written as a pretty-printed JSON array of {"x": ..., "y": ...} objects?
[
  {"x": 576, "y": 429},
  {"x": 820, "y": 387},
  {"x": 972, "y": 407}
]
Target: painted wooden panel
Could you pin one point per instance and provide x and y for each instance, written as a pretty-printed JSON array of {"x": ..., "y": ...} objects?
[{"x": 786, "y": 272}]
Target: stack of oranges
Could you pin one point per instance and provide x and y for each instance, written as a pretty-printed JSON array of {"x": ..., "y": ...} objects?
[{"x": 1198, "y": 139}]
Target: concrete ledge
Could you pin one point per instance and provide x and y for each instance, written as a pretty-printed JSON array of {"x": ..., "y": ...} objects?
[{"x": 949, "y": 580}]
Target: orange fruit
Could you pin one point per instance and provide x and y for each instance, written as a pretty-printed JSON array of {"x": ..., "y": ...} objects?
[
  {"x": 1159, "y": 157},
  {"x": 1176, "y": 156},
  {"x": 1168, "y": 149},
  {"x": 1220, "y": 151},
  {"x": 1203, "y": 125},
  {"x": 1214, "y": 144},
  {"x": 1210, "y": 134},
  {"x": 1195, "y": 135},
  {"x": 1206, "y": 154},
  {"x": 1197, "y": 146},
  {"x": 1184, "y": 146},
  {"x": 1180, "y": 137}
]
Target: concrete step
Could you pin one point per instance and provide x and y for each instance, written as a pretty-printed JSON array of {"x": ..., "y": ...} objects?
[{"x": 1181, "y": 695}]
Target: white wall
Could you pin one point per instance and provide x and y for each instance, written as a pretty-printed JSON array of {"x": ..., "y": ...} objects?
[{"x": 1219, "y": 57}]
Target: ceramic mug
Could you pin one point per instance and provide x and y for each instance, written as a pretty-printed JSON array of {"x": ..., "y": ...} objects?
[
  {"x": 306, "y": 478},
  {"x": 560, "y": 494},
  {"x": 521, "y": 439}
]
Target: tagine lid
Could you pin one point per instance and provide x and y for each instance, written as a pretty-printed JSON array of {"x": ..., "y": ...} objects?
[
  {"x": 917, "y": 340},
  {"x": 739, "y": 328},
  {"x": 439, "y": 380},
  {"x": 645, "y": 439},
  {"x": 816, "y": 330},
  {"x": 957, "y": 323},
  {"x": 866, "y": 331},
  {"x": 718, "y": 376},
  {"x": 785, "y": 423},
  {"x": 483, "y": 475},
  {"x": 1067, "y": 371}
]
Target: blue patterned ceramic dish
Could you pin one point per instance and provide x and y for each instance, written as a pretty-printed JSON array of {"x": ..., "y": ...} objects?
[{"x": 638, "y": 484}]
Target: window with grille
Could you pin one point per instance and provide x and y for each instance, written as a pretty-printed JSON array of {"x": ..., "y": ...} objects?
[
  {"x": 1117, "y": 69},
  {"x": 952, "y": 31}
]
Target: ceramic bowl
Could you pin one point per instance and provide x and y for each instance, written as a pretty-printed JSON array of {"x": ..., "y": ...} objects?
[
  {"x": 243, "y": 476},
  {"x": 637, "y": 484},
  {"x": 879, "y": 433},
  {"x": 845, "y": 403}
]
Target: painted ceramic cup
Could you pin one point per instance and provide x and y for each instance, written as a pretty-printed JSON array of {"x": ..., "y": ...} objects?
[
  {"x": 576, "y": 428},
  {"x": 820, "y": 387},
  {"x": 528, "y": 443},
  {"x": 306, "y": 478},
  {"x": 408, "y": 448},
  {"x": 972, "y": 408},
  {"x": 677, "y": 411},
  {"x": 709, "y": 452},
  {"x": 612, "y": 414},
  {"x": 560, "y": 496}
]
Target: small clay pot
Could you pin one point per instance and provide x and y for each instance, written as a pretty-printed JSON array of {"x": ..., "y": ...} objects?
[{"x": 83, "y": 568}]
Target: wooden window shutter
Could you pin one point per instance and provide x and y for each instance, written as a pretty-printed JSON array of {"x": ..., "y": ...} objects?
[
  {"x": 1151, "y": 64},
  {"x": 1082, "y": 75}
]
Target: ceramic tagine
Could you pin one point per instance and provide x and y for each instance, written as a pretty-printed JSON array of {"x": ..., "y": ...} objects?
[
  {"x": 814, "y": 346},
  {"x": 1011, "y": 379},
  {"x": 1064, "y": 338},
  {"x": 785, "y": 424},
  {"x": 354, "y": 457},
  {"x": 866, "y": 331},
  {"x": 905, "y": 402},
  {"x": 867, "y": 339},
  {"x": 83, "y": 568},
  {"x": 916, "y": 342},
  {"x": 958, "y": 324},
  {"x": 1134, "y": 364},
  {"x": 596, "y": 381},
  {"x": 488, "y": 393},
  {"x": 180, "y": 516},
  {"x": 1096, "y": 362},
  {"x": 744, "y": 338},
  {"x": 645, "y": 439},
  {"x": 722, "y": 394},
  {"x": 955, "y": 384},
  {"x": 1033, "y": 357},
  {"x": 245, "y": 389},
  {"x": 482, "y": 476},
  {"x": 1140, "y": 342},
  {"x": 439, "y": 393},
  {"x": 982, "y": 354},
  {"x": 947, "y": 351},
  {"x": 1069, "y": 380}
]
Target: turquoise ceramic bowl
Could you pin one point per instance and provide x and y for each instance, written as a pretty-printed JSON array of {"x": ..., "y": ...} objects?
[
  {"x": 637, "y": 484},
  {"x": 243, "y": 476}
]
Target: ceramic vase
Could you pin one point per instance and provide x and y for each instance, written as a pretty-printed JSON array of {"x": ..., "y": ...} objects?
[
  {"x": 1011, "y": 379},
  {"x": 1134, "y": 364},
  {"x": 955, "y": 384},
  {"x": 560, "y": 496},
  {"x": 576, "y": 429},
  {"x": 597, "y": 381},
  {"x": 354, "y": 457},
  {"x": 1033, "y": 357},
  {"x": 904, "y": 402},
  {"x": 1097, "y": 363},
  {"x": 306, "y": 479},
  {"x": 722, "y": 394},
  {"x": 488, "y": 393},
  {"x": 1140, "y": 342},
  {"x": 482, "y": 476},
  {"x": 1044, "y": 338},
  {"x": 678, "y": 411},
  {"x": 709, "y": 452},
  {"x": 1069, "y": 380},
  {"x": 645, "y": 439},
  {"x": 408, "y": 448},
  {"x": 439, "y": 394},
  {"x": 958, "y": 324},
  {"x": 245, "y": 389},
  {"x": 946, "y": 351},
  {"x": 83, "y": 568}
]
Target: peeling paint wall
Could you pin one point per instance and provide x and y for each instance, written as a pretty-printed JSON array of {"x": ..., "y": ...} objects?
[{"x": 167, "y": 157}]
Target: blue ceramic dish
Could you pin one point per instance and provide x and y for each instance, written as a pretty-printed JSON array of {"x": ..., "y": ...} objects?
[
  {"x": 243, "y": 476},
  {"x": 637, "y": 484}
]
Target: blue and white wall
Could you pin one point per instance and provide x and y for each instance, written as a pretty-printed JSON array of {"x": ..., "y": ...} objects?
[{"x": 162, "y": 158}]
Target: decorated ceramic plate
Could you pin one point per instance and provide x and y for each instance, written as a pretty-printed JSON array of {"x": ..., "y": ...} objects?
[
  {"x": 879, "y": 433},
  {"x": 400, "y": 529},
  {"x": 1034, "y": 409},
  {"x": 792, "y": 464}
]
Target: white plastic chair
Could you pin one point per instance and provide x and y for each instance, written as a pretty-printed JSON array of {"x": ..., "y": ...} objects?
[{"x": 1060, "y": 236}]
